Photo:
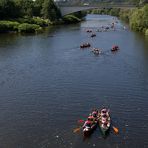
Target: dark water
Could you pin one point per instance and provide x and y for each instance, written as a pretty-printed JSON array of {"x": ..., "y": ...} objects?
[{"x": 47, "y": 83}]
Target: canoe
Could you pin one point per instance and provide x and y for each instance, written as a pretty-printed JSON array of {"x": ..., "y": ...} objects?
[
  {"x": 96, "y": 51},
  {"x": 85, "y": 45},
  {"x": 104, "y": 121},
  {"x": 115, "y": 48},
  {"x": 93, "y": 35},
  {"x": 91, "y": 123}
]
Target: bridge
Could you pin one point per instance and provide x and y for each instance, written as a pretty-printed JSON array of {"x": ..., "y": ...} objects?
[{"x": 65, "y": 10}]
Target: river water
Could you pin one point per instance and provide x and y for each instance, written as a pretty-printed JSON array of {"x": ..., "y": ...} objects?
[{"x": 47, "y": 83}]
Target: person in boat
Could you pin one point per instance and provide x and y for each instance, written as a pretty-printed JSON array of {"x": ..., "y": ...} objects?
[
  {"x": 91, "y": 119},
  {"x": 105, "y": 112},
  {"x": 85, "y": 45},
  {"x": 87, "y": 123},
  {"x": 105, "y": 125},
  {"x": 113, "y": 26},
  {"x": 94, "y": 114},
  {"x": 115, "y": 48},
  {"x": 104, "y": 118}
]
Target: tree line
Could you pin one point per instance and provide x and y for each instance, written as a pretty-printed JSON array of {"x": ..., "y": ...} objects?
[
  {"x": 137, "y": 18},
  {"x": 30, "y": 16},
  {"x": 10, "y": 9}
]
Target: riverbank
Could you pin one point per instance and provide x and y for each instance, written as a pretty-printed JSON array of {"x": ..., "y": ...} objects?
[
  {"x": 33, "y": 25},
  {"x": 137, "y": 18},
  {"x": 24, "y": 25}
]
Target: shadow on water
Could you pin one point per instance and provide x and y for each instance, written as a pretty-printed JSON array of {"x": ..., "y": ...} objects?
[{"x": 7, "y": 39}]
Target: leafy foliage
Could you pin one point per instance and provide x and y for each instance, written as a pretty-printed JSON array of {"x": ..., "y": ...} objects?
[
  {"x": 28, "y": 28},
  {"x": 146, "y": 32},
  {"x": 68, "y": 19},
  {"x": 6, "y": 26},
  {"x": 139, "y": 19},
  {"x": 50, "y": 11},
  {"x": 29, "y": 8}
]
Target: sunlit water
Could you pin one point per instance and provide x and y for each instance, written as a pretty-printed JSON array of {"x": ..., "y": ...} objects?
[{"x": 47, "y": 83}]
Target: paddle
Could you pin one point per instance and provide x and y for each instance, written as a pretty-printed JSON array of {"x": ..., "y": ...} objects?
[
  {"x": 77, "y": 129},
  {"x": 116, "y": 130}
]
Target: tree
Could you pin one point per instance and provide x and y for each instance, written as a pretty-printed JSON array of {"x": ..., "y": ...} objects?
[
  {"x": 25, "y": 6},
  {"x": 37, "y": 7},
  {"x": 50, "y": 10},
  {"x": 139, "y": 19},
  {"x": 7, "y": 9}
]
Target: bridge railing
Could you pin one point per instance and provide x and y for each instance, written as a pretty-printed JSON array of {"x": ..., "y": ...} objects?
[{"x": 97, "y": 5}]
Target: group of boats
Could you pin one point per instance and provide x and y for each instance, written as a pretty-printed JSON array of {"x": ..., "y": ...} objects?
[
  {"x": 98, "y": 51},
  {"x": 110, "y": 27},
  {"x": 96, "y": 118}
]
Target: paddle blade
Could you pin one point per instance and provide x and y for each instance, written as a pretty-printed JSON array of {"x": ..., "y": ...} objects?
[
  {"x": 77, "y": 130},
  {"x": 115, "y": 130}
]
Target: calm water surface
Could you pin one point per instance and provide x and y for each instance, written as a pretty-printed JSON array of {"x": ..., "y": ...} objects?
[{"x": 47, "y": 83}]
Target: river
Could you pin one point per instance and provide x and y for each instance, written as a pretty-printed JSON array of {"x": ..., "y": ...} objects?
[{"x": 47, "y": 84}]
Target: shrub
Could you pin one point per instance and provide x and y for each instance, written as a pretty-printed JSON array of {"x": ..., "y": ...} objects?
[
  {"x": 41, "y": 22},
  {"x": 7, "y": 26},
  {"x": 146, "y": 32},
  {"x": 68, "y": 19},
  {"x": 35, "y": 20},
  {"x": 124, "y": 15},
  {"x": 29, "y": 28}
]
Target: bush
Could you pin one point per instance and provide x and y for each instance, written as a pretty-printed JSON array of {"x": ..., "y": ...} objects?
[
  {"x": 115, "y": 12},
  {"x": 7, "y": 26},
  {"x": 124, "y": 15},
  {"x": 146, "y": 32},
  {"x": 139, "y": 19},
  {"x": 35, "y": 20},
  {"x": 41, "y": 22},
  {"x": 68, "y": 19},
  {"x": 29, "y": 28}
]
